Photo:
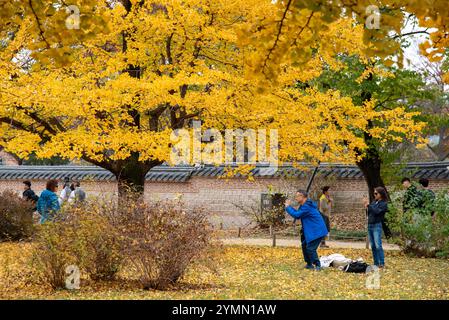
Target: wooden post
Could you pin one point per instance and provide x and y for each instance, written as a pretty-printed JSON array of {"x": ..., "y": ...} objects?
[
  {"x": 240, "y": 231},
  {"x": 221, "y": 225},
  {"x": 367, "y": 237},
  {"x": 274, "y": 239}
]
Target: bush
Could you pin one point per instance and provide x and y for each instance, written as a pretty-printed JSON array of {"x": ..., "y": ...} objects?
[
  {"x": 441, "y": 225},
  {"x": 416, "y": 231},
  {"x": 53, "y": 251},
  {"x": 161, "y": 240},
  {"x": 97, "y": 241},
  {"x": 16, "y": 217},
  {"x": 158, "y": 242},
  {"x": 81, "y": 236}
]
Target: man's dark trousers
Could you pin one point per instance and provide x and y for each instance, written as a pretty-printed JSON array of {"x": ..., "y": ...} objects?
[{"x": 309, "y": 251}]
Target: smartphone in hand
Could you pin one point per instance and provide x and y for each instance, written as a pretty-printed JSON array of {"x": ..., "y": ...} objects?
[{"x": 365, "y": 200}]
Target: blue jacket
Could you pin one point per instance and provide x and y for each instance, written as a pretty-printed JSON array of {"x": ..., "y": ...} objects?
[
  {"x": 311, "y": 220},
  {"x": 47, "y": 205}
]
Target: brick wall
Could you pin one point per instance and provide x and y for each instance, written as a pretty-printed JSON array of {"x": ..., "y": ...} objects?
[{"x": 220, "y": 196}]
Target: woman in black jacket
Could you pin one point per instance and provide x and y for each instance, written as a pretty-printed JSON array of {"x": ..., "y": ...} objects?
[{"x": 376, "y": 215}]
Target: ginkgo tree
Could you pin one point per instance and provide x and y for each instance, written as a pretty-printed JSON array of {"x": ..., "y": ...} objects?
[
  {"x": 393, "y": 91},
  {"x": 114, "y": 97}
]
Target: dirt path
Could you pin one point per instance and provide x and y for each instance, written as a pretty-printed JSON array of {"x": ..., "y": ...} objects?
[{"x": 296, "y": 243}]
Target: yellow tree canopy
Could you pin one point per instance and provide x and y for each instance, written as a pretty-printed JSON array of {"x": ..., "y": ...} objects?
[
  {"x": 290, "y": 34},
  {"x": 50, "y": 28},
  {"x": 121, "y": 93}
]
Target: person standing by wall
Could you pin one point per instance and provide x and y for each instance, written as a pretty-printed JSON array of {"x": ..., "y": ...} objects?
[
  {"x": 28, "y": 193},
  {"x": 65, "y": 192},
  {"x": 376, "y": 215},
  {"x": 48, "y": 203},
  {"x": 427, "y": 197},
  {"x": 325, "y": 206},
  {"x": 78, "y": 195},
  {"x": 312, "y": 224},
  {"x": 412, "y": 197}
]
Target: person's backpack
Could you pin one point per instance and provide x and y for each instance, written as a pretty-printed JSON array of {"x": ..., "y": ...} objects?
[
  {"x": 35, "y": 198},
  {"x": 356, "y": 267},
  {"x": 80, "y": 195}
]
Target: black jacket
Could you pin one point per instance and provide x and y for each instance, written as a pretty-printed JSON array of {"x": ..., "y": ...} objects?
[
  {"x": 377, "y": 211},
  {"x": 30, "y": 195}
]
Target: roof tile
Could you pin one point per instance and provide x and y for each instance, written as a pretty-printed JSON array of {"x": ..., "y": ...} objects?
[{"x": 435, "y": 170}]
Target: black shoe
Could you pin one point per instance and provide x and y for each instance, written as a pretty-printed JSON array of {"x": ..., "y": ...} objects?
[{"x": 309, "y": 267}]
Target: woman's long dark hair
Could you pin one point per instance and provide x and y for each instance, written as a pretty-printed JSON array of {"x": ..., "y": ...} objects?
[{"x": 382, "y": 192}]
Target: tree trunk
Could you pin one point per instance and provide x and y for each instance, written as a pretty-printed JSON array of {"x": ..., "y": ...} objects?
[
  {"x": 131, "y": 175},
  {"x": 371, "y": 163},
  {"x": 370, "y": 166},
  {"x": 131, "y": 180}
]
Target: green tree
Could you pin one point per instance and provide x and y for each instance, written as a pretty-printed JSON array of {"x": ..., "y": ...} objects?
[{"x": 389, "y": 88}]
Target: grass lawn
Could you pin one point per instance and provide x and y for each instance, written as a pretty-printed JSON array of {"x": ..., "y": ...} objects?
[{"x": 246, "y": 273}]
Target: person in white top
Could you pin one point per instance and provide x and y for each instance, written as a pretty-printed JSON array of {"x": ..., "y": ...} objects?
[{"x": 65, "y": 192}]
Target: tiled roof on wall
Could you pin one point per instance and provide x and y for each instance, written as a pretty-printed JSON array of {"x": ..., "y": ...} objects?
[
  {"x": 164, "y": 173},
  {"x": 54, "y": 172}
]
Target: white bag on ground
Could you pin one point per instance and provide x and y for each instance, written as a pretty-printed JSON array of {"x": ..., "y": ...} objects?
[{"x": 336, "y": 259}]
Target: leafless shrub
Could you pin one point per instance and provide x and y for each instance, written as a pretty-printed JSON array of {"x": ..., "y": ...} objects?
[
  {"x": 158, "y": 242},
  {"x": 97, "y": 243},
  {"x": 80, "y": 235},
  {"x": 263, "y": 218},
  {"x": 161, "y": 240},
  {"x": 53, "y": 251},
  {"x": 16, "y": 217}
]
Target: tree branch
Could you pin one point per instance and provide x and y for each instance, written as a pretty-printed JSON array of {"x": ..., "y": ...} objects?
[
  {"x": 411, "y": 33},
  {"x": 281, "y": 25},
  {"x": 39, "y": 26},
  {"x": 33, "y": 115}
]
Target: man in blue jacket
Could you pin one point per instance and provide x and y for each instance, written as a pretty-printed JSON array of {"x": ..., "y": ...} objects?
[{"x": 313, "y": 225}]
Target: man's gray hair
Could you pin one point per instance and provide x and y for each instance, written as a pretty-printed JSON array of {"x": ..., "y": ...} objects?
[{"x": 303, "y": 192}]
